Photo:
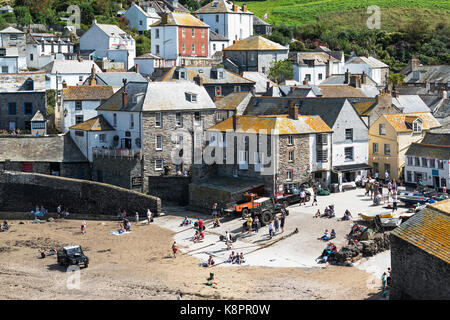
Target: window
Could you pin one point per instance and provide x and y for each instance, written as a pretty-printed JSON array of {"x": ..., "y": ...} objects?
[
  {"x": 31, "y": 57},
  {"x": 349, "y": 134},
  {"x": 159, "y": 164},
  {"x": 290, "y": 173},
  {"x": 38, "y": 125},
  {"x": 12, "y": 108},
  {"x": 197, "y": 118},
  {"x": 178, "y": 119},
  {"x": 79, "y": 133},
  {"x": 184, "y": 48},
  {"x": 182, "y": 75},
  {"x": 158, "y": 120},
  {"x": 424, "y": 162},
  {"x": 440, "y": 164},
  {"x": 115, "y": 119},
  {"x": 216, "y": 30},
  {"x": 322, "y": 155},
  {"x": 157, "y": 49},
  {"x": 219, "y": 116},
  {"x": 140, "y": 22},
  {"x": 80, "y": 78},
  {"x": 28, "y": 108},
  {"x": 217, "y": 19},
  {"x": 409, "y": 176},
  {"x": 183, "y": 32},
  {"x": 218, "y": 90},
  {"x": 237, "y": 89},
  {"x": 348, "y": 154},
  {"x": 290, "y": 139},
  {"x": 274, "y": 57},
  {"x": 320, "y": 76},
  {"x": 417, "y": 126},
  {"x": 382, "y": 129},
  {"x": 78, "y": 119},
  {"x": 387, "y": 149},
  {"x": 417, "y": 161},
  {"x": 131, "y": 121},
  {"x": 203, "y": 33},
  {"x": 191, "y": 97},
  {"x": 375, "y": 167},
  {"x": 410, "y": 161},
  {"x": 156, "y": 33},
  {"x": 263, "y": 69},
  {"x": 102, "y": 137},
  {"x": 252, "y": 57},
  {"x": 387, "y": 168},
  {"x": 193, "y": 33},
  {"x": 291, "y": 156},
  {"x": 214, "y": 46},
  {"x": 193, "y": 48},
  {"x": 308, "y": 77},
  {"x": 322, "y": 139},
  {"x": 159, "y": 141},
  {"x": 4, "y": 69},
  {"x": 432, "y": 163},
  {"x": 375, "y": 148},
  {"x": 78, "y": 105},
  {"x": 203, "y": 48}
]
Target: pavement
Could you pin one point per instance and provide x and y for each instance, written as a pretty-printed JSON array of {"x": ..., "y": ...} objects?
[{"x": 286, "y": 249}]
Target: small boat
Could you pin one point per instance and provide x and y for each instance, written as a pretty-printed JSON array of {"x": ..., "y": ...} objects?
[
  {"x": 411, "y": 199},
  {"x": 391, "y": 222},
  {"x": 371, "y": 216}
]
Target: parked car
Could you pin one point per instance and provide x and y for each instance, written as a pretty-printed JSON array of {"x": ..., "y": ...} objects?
[
  {"x": 266, "y": 210},
  {"x": 288, "y": 199},
  {"x": 72, "y": 255}
]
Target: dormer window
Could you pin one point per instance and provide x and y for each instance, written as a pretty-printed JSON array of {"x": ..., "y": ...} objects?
[
  {"x": 191, "y": 97},
  {"x": 417, "y": 126}
]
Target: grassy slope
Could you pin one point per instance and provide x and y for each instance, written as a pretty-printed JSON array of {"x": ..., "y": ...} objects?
[{"x": 350, "y": 13}]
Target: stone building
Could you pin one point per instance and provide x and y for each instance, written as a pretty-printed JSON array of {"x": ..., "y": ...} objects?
[
  {"x": 420, "y": 255},
  {"x": 278, "y": 152},
  {"x": 261, "y": 27},
  {"x": 14, "y": 38},
  {"x": 233, "y": 103},
  {"x": 55, "y": 155}
]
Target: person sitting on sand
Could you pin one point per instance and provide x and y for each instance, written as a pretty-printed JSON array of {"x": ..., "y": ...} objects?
[
  {"x": 326, "y": 252},
  {"x": 4, "y": 226},
  {"x": 325, "y": 236},
  {"x": 237, "y": 259},
  {"x": 241, "y": 258},
  {"x": 209, "y": 263},
  {"x": 196, "y": 237},
  {"x": 347, "y": 215},
  {"x": 331, "y": 213},
  {"x": 332, "y": 234},
  {"x": 318, "y": 214},
  {"x": 121, "y": 229},
  {"x": 185, "y": 222},
  {"x": 231, "y": 257},
  {"x": 128, "y": 226},
  {"x": 216, "y": 223}
]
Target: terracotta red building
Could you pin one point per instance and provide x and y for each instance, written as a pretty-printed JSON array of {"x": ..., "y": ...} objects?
[{"x": 179, "y": 37}]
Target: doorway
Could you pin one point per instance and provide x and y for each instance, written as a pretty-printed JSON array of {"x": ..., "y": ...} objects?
[{"x": 436, "y": 182}]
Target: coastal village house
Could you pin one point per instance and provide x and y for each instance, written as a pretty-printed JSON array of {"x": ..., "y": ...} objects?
[
  {"x": 349, "y": 143},
  {"x": 111, "y": 42},
  {"x": 255, "y": 53},
  {"x": 420, "y": 255},
  {"x": 21, "y": 96},
  {"x": 295, "y": 147},
  {"x": 140, "y": 19},
  {"x": 12, "y": 37},
  {"x": 114, "y": 79},
  {"x": 43, "y": 48},
  {"x": 374, "y": 68},
  {"x": 316, "y": 66},
  {"x": 390, "y": 137},
  {"x": 227, "y": 19},
  {"x": 231, "y": 104},
  {"x": 217, "y": 81},
  {"x": 217, "y": 42},
  {"x": 9, "y": 60},
  {"x": 261, "y": 27},
  {"x": 146, "y": 64},
  {"x": 178, "y": 37},
  {"x": 428, "y": 161}
]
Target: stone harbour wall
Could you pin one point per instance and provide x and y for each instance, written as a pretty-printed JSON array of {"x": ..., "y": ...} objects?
[
  {"x": 170, "y": 188},
  {"x": 22, "y": 192}
]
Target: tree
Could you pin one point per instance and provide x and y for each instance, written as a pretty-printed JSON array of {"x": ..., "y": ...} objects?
[
  {"x": 23, "y": 16},
  {"x": 396, "y": 79},
  {"x": 281, "y": 70},
  {"x": 297, "y": 46}
]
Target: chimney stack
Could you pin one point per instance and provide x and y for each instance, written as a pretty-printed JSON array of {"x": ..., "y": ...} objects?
[
  {"x": 124, "y": 94},
  {"x": 93, "y": 81},
  {"x": 414, "y": 63},
  {"x": 355, "y": 81},
  {"x": 137, "y": 68},
  {"x": 64, "y": 84},
  {"x": 364, "y": 78},
  {"x": 347, "y": 77},
  {"x": 234, "y": 121},
  {"x": 293, "y": 111},
  {"x": 244, "y": 7},
  {"x": 384, "y": 100}
]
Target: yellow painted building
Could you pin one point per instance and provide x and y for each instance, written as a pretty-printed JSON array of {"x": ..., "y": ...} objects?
[{"x": 390, "y": 137}]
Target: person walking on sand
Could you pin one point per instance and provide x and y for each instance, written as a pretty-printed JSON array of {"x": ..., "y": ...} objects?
[
  {"x": 282, "y": 220},
  {"x": 83, "y": 227},
  {"x": 149, "y": 216},
  {"x": 228, "y": 240},
  {"x": 315, "y": 199},
  {"x": 270, "y": 230},
  {"x": 249, "y": 224},
  {"x": 256, "y": 224},
  {"x": 137, "y": 217},
  {"x": 276, "y": 224},
  {"x": 174, "y": 249}
]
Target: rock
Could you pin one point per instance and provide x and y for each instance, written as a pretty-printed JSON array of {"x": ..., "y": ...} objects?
[
  {"x": 50, "y": 219},
  {"x": 21, "y": 222}
]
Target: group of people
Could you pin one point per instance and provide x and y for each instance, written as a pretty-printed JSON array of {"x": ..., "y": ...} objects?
[
  {"x": 4, "y": 226},
  {"x": 62, "y": 213},
  {"x": 329, "y": 250},
  {"x": 39, "y": 212},
  {"x": 237, "y": 258},
  {"x": 327, "y": 236},
  {"x": 276, "y": 224},
  {"x": 328, "y": 212},
  {"x": 374, "y": 188}
]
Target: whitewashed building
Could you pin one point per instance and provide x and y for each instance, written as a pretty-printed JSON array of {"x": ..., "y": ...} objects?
[
  {"x": 217, "y": 42},
  {"x": 373, "y": 67},
  {"x": 227, "y": 19},
  {"x": 146, "y": 63},
  {"x": 9, "y": 60},
  {"x": 42, "y": 48},
  {"x": 140, "y": 19},
  {"x": 14, "y": 38},
  {"x": 111, "y": 42}
]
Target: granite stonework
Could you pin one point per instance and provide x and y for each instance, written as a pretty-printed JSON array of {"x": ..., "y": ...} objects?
[{"x": 170, "y": 188}]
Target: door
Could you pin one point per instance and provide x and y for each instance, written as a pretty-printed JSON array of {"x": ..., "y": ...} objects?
[
  {"x": 27, "y": 167},
  {"x": 12, "y": 125},
  {"x": 436, "y": 182}
]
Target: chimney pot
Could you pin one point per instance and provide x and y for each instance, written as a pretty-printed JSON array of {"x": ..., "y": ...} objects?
[
  {"x": 293, "y": 110},
  {"x": 137, "y": 68},
  {"x": 244, "y": 7},
  {"x": 234, "y": 121},
  {"x": 124, "y": 94}
]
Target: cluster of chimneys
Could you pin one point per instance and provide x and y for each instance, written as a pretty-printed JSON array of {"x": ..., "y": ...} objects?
[
  {"x": 198, "y": 80},
  {"x": 355, "y": 80}
]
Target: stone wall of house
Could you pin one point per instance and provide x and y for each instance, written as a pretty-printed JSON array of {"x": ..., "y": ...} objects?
[
  {"x": 21, "y": 192},
  {"x": 417, "y": 274},
  {"x": 125, "y": 172},
  {"x": 38, "y": 100},
  {"x": 170, "y": 188},
  {"x": 168, "y": 128},
  {"x": 68, "y": 170}
]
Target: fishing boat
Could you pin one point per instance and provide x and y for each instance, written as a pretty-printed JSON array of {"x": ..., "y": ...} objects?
[
  {"x": 413, "y": 198},
  {"x": 371, "y": 216}
]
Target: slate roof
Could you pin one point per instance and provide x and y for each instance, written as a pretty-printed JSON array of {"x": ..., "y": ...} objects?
[
  {"x": 342, "y": 91},
  {"x": 340, "y": 79},
  {"x": 256, "y": 43},
  {"x": 149, "y": 55},
  {"x": 38, "y": 116},
  {"x": 428, "y": 230},
  {"x": 410, "y": 103},
  {"x": 115, "y": 79},
  {"x": 439, "y": 73},
  {"x": 220, "y": 6},
  {"x": 443, "y": 111},
  {"x": 259, "y": 22},
  {"x": 327, "y": 108},
  {"x": 11, "y": 30},
  {"x": 399, "y": 121},
  {"x": 112, "y": 30},
  {"x": 59, "y": 148},
  {"x": 232, "y": 100},
  {"x": 181, "y": 19},
  {"x": 431, "y": 100},
  {"x": 147, "y": 14},
  {"x": 134, "y": 89},
  {"x": 429, "y": 151},
  {"x": 319, "y": 57},
  {"x": 260, "y": 80},
  {"x": 98, "y": 123},
  {"x": 371, "y": 61},
  {"x": 436, "y": 139},
  {"x": 216, "y": 37},
  {"x": 206, "y": 74},
  {"x": 87, "y": 92},
  {"x": 280, "y": 124},
  {"x": 71, "y": 67}
]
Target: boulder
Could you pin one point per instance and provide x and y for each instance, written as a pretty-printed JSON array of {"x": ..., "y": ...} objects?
[{"x": 50, "y": 219}]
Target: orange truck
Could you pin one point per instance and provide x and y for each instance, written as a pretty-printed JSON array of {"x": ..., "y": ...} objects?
[{"x": 248, "y": 202}]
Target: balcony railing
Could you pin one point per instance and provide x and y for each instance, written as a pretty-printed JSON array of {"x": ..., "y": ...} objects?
[{"x": 116, "y": 153}]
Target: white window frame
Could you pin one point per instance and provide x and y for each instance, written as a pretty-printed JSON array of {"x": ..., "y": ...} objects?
[
  {"x": 179, "y": 119},
  {"x": 156, "y": 165},
  {"x": 158, "y": 118},
  {"x": 158, "y": 142},
  {"x": 289, "y": 175}
]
